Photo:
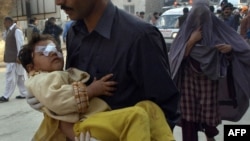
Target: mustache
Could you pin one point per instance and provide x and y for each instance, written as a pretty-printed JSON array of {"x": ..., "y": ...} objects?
[{"x": 63, "y": 7}]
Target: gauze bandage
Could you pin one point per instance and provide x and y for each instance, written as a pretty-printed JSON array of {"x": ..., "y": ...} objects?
[{"x": 46, "y": 50}]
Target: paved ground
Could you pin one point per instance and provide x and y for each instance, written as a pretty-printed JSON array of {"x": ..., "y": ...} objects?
[{"x": 19, "y": 122}]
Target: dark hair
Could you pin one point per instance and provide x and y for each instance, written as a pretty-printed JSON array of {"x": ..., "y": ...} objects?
[
  {"x": 223, "y": 3},
  {"x": 155, "y": 13},
  {"x": 142, "y": 13},
  {"x": 228, "y": 5},
  {"x": 8, "y": 19},
  {"x": 211, "y": 7},
  {"x": 32, "y": 20},
  {"x": 25, "y": 55},
  {"x": 52, "y": 19},
  {"x": 185, "y": 10}
]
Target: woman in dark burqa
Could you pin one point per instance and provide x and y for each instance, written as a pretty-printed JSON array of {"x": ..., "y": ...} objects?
[{"x": 209, "y": 60}]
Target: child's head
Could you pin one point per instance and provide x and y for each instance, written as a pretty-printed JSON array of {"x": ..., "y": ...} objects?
[{"x": 41, "y": 54}]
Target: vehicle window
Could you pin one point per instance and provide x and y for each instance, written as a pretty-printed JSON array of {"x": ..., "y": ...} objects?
[{"x": 167, "y": 21}]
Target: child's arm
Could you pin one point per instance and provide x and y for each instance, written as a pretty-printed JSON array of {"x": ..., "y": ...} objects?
[{"x": 56, "y": 94}]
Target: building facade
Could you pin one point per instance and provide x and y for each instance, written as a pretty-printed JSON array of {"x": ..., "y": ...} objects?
[{"x": 147, "y": 6}]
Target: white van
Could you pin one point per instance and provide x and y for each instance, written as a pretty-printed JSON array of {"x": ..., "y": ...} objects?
[{"x": 167, "y": 22}]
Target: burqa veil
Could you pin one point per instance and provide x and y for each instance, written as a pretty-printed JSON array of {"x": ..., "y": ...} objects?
[{"x": 214, "y": 32}]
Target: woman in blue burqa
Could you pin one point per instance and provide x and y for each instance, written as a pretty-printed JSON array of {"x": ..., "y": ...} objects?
[{"x": 210, "y": 63}]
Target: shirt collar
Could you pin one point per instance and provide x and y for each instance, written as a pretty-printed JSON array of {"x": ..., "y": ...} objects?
[
  {"x": 104, "y": 25},
  {"x": 12, "y": 26}
]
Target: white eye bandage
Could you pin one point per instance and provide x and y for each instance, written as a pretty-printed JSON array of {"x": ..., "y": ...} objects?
[{"x": 51, "y": 47}]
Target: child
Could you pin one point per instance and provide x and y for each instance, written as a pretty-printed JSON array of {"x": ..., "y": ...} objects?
[{"x": 73, "y": 107}]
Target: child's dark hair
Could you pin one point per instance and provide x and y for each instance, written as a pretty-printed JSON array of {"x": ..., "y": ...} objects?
[{"x": 25, "y": 55}]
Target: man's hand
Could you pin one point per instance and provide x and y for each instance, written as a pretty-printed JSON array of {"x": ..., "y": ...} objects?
[
  {"x": 85, "y": 137},
  {"x": 33, "y": 102}
]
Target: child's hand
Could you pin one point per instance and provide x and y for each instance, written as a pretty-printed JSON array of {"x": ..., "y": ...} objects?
[{"x": 102, "y": 86}]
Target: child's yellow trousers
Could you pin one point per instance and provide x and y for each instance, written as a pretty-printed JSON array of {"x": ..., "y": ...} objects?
[{"x": 143, "y": 122}]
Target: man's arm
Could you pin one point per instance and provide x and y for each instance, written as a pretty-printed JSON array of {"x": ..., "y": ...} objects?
[
  {"x": 154, "y": 73},
  {"x": 19, "y": 39}
]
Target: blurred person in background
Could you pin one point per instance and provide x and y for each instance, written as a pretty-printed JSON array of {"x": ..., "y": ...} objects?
[
  {"x": 228, "y": 17},
  {"x": 245, "y": 27},
  {"x": 32, "y": 28},
  {"x": 243, "y": 11},
  {"x": 141, "y": 15},
  {"x": 154, "y": 18},
  {"x": 182, "y": 18},
  {"x": 53, "y": 29},
  {"x": 15, "y": 74},
  {"x": 66, "y": 28}
]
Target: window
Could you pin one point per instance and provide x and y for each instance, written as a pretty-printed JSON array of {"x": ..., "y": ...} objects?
[
  {"x": 243, "y": 1},
  {"x": 129, "y": 8},
  {"x": 167, "y": 21}
]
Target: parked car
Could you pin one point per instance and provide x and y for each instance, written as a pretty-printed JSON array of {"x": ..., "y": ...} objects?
[{"x": 167, "y": 24}]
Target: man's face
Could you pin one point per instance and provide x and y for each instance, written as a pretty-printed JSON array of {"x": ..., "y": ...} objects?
[
  {"x": 36, "y": 22},
  {"x": 227, "y": 11},
  {"x": 77, "y": 9},
  {"x": 7, "y": 24}
]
